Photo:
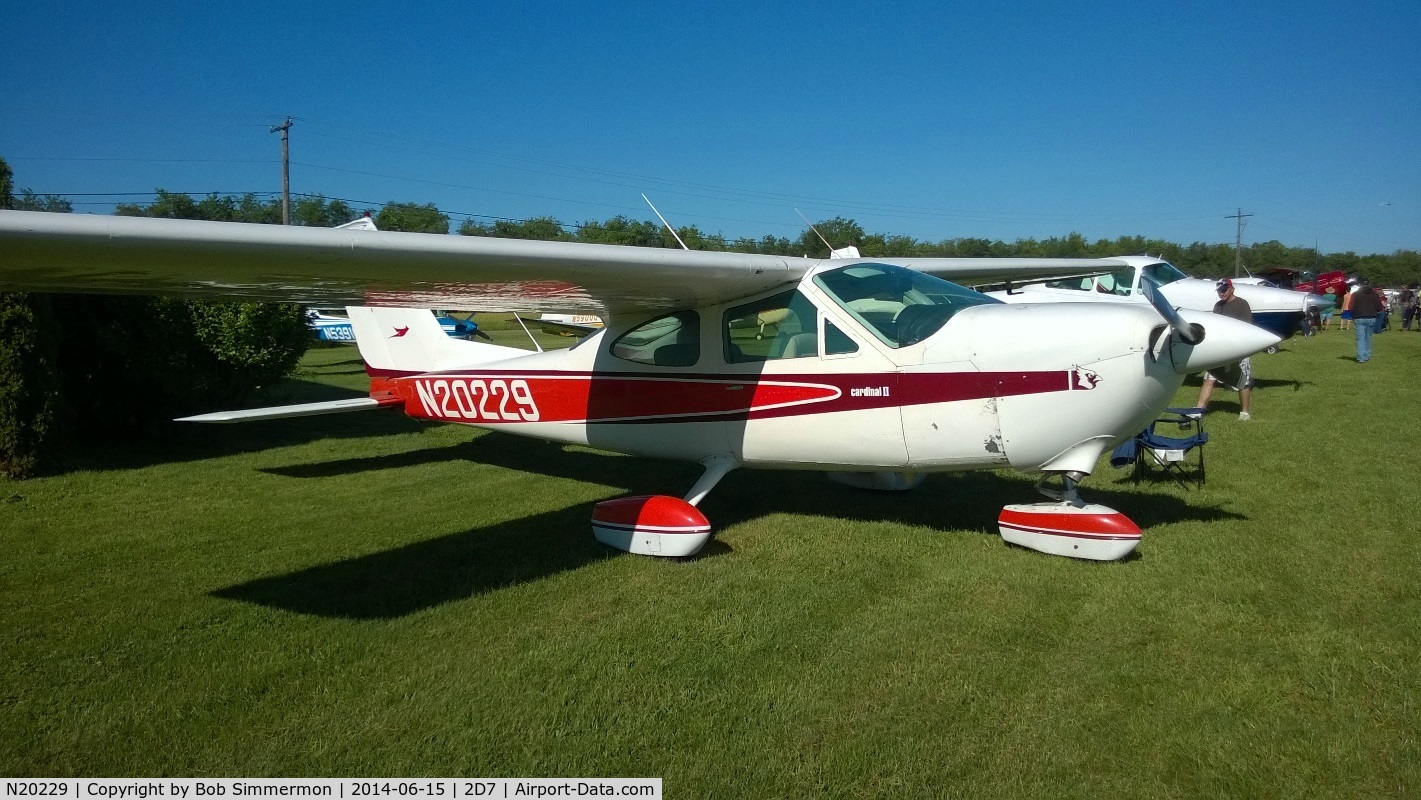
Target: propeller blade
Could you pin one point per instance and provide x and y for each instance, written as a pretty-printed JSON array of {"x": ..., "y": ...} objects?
[{"x": 1189, "y": 332}]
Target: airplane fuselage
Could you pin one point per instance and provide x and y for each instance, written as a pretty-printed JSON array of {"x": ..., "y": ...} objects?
[{"x": 1035, "y": 388}]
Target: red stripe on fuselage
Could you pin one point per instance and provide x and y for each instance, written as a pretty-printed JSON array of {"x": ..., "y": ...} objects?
[{"x": 488, "y": 398}]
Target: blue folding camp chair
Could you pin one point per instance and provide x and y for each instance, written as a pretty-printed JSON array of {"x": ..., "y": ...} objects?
[{"x": 1179, "y": 456}]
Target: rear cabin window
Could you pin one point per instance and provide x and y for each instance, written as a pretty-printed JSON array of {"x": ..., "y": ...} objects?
[{"x": 670, "y": 341}]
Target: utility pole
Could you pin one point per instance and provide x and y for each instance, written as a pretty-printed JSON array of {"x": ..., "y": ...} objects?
[
  {"x": 285, "y": 129},
  {"x": 1238, "y": 240}
]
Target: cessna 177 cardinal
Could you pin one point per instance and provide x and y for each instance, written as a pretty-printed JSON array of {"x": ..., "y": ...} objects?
[{"x": 877, "y": 372}]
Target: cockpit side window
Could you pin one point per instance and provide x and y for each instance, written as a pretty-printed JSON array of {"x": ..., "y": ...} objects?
[
  {"x": 783, "y": 326},
  {"x": 899, "y": 306},
  {"x": 673, "y": 340},
  {"x": 836, "y": 342},
  {"x": 1116, "y": 283},
  {"x": 1080, "y": 284}
]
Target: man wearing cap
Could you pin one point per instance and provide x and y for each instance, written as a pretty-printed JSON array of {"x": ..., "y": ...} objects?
[
  {"x": 1366, "y": 305},
  {"x": 1235, "y": 376}
]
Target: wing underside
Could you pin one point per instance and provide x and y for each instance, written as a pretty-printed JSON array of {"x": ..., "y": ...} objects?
[{"x": 327, "y": 267}]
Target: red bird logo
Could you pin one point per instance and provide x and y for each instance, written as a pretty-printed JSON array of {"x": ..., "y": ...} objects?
[
  {"x": 1085, "y": 379},
  {"x": 401, "y": 332}
]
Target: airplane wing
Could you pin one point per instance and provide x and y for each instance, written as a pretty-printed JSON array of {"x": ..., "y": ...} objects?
[
  {"x": 327, "y": 267},
  {"x": 330, "y": 267},
  {"x": 976, "y": 271}
]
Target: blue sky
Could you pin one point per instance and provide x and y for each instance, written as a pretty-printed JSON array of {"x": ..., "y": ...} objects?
[{"x": 933, "y": 120}]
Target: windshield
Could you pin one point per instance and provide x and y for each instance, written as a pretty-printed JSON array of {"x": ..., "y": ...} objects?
[
  {"x": 899, "y": 306},
  {"x": 1163, "y": 272}
]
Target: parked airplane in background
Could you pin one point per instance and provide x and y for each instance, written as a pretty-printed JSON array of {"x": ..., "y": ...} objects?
[
  {"x": 566, "y": 324},
  {"x": 877, "y": 372},
  {"x": 464, "y": 328},
  {"x": 332, "y": 328},
  {"x": 1279, "y": 311},
  {"x": 1334, "y": 283}
]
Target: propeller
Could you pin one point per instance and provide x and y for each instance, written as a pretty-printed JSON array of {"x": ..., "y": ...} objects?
[
  {"x": 477, "y": 331},
  {"x": 1189, "y": 332}
]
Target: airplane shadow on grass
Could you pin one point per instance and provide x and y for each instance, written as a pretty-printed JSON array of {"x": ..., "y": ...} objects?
[{"x": 456, "y": 566}]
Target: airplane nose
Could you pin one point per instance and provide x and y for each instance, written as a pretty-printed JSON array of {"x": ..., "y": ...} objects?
[
  {"x": 1225, "y": 341},
  {"x": 1319, "y": 302}
]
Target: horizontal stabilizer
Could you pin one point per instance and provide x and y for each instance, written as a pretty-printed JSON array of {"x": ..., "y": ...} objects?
[{"x": 301, "y": 410}]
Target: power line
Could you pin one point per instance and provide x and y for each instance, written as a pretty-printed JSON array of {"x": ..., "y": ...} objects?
[
  {"x": 149, "y": 160},
  {"x": 148, "y": 194}
]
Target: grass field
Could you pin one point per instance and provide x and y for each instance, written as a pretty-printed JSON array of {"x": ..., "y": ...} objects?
[{"x": 367, "y": 595}]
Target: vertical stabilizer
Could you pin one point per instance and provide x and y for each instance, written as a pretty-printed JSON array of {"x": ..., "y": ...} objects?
[{"x": 410, "y": 340}]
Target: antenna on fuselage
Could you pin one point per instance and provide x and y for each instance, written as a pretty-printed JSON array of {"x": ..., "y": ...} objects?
[{"x": 667, "y": 224}]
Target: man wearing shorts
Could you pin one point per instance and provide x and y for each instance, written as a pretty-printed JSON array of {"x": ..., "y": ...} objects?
[
  {"x": 1238, "y": 377},
  {"x": 1327, "y": 312}
]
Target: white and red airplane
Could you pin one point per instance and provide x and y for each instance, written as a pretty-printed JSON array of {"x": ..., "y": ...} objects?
[
  {"x": 877, "y": 373},
  {"x": 1274, "y": 309}
]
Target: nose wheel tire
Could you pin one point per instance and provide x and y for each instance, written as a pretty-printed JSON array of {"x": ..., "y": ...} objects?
[{"x": 1069, "y": 526}]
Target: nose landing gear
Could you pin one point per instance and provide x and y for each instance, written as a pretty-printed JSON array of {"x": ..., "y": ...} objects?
[
  {"x": 658, "y": 525},
  {"x": 1069, "y": 527}
]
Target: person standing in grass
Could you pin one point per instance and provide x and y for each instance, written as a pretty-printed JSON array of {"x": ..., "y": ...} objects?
[
  {"x": 1235, "y": 376},
  {"x": 1408, "y": 307},
  {"x": 1327, "y": 312},
  {"x": 1366, "y": 305}
]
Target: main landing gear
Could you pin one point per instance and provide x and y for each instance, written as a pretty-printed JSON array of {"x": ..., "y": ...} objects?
[
  {"x": 1069, "y": 527},
  {"x": 658, "y": 525},
  {"x": 672, "y": 527}
]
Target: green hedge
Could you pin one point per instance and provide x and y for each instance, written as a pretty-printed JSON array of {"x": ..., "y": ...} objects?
[
  {"x": 119, "y": 367},
  {"x": 30, "y": 400}
]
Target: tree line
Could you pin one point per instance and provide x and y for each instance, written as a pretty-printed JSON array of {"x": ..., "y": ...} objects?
[{"x": 1200, "y": 259}]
